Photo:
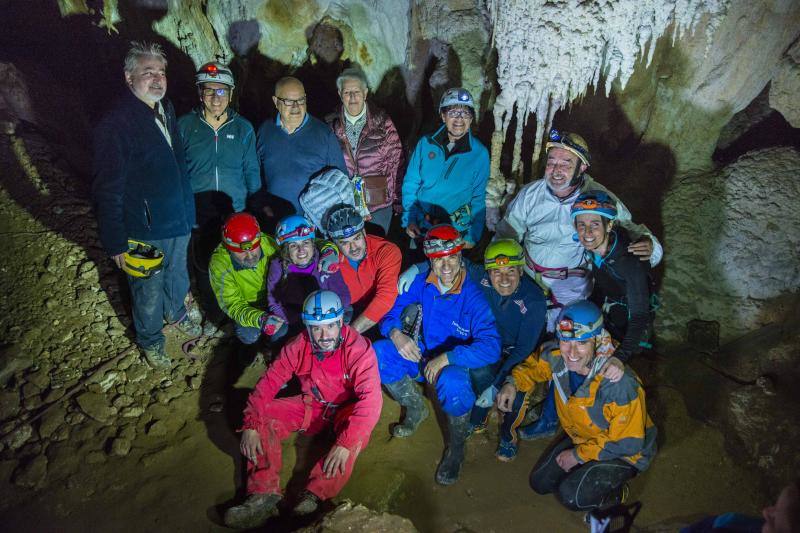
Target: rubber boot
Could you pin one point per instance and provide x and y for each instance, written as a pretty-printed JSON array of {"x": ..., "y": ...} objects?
[
  {"x": 450, "y": 467},
  {"x": 406, "y": 393}
]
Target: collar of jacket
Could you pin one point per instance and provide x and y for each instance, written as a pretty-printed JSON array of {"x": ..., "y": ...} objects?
[
  {"x": 457, "y": 286},
  {"x": 354, "y": 119},
  {"x": 462, "y": 145}
]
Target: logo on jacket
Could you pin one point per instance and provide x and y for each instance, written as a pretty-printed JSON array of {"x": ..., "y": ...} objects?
[
  {"x": 464, "y": 332},
  {"x": 431, "y": 155},
  {"x": 521, "y": 305},
  {"x": 229, "y": 136}
]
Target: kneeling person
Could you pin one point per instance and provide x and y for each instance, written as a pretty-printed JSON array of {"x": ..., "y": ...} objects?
[
  {"x": 458, "y": 333},
  {"x": 369, "y": 265},
  {"x": 237, "y": 273},
  {"x": 340, "y": 385},
  {"x": 609, "y": 435}
]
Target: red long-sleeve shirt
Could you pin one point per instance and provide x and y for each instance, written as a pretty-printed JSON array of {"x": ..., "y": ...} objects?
[
  {"x": 375, "y": 281},
  {"x": 349, "y": 373}
]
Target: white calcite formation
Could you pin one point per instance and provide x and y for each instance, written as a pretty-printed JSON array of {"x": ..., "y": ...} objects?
[
  {"x": 549, "y": 53},
  {"x": 732, "y": 248}
]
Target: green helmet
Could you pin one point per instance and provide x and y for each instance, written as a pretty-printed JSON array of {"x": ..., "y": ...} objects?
[{"x": 503, "y": 253}]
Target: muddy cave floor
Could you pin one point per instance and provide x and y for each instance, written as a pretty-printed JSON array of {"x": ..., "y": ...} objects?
[{"x": 185, "y": 483}]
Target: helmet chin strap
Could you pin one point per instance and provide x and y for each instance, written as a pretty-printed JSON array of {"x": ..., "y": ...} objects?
[
  {"x": 577, "y": 176},
  {"x": 216, "y": 117},
  {"x": 317, "y": 350}
]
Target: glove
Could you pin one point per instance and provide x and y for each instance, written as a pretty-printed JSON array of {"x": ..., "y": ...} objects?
[
  {"x": 407, "y": 278},
  {"x": 492, "y": 218},
  {"x": 328, "y": 259},
  {"x": 487, "y": 397},
  {"x": 269, "y": 324}
]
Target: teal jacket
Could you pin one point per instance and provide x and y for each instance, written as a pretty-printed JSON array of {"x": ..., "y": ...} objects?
[
  {"x": 443, "y": 184},
  {"x": 224, "y": 160}
]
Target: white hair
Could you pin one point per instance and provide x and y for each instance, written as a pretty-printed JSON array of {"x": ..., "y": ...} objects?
[
  {"x": 352, "y": 73},
  {"x": 141, "y": 49}
]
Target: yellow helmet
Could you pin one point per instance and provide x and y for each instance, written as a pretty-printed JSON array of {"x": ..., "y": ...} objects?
[
  {"x": 572, "y": 142},
  {"x": 142, "y": 260}
]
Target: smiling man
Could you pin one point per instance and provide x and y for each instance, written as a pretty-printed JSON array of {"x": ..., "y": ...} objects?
[
  {"x": 142, "y": 194},
  {"x": 446, "y": 177},
  {"x": 340, "y": 390},
  {"x": 437, "y": 332}
]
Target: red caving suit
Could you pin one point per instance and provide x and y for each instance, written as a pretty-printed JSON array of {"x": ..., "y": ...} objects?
[{"x": 347, "y": 378}]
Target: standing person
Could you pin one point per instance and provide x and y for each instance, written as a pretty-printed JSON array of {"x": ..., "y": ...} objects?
[
  {"x": 609, "y": 435},
  {"x": 370, "y": 144},
  {"x": 621, "y": 280},
  {"x": 292, "y": 148},
  {"x": 453, "y": 332},
  {"x": 142, "y": 193},
  {"x": 220, "y": 148},
  {"x": 446, "y": 177},
  {"x": 341, "y": 390},
  {"x": 300, "y": 269},
  {"x": 369, "y": 265}
]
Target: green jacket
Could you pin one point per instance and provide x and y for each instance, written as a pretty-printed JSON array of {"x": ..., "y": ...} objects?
[{"x": 241, "y": 292}]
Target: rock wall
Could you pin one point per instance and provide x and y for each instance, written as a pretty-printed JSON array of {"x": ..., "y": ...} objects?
[{"x": 732, "y": 246}]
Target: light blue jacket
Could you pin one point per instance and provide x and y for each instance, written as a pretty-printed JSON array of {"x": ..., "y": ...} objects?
[{"x": 454, "y": 184}]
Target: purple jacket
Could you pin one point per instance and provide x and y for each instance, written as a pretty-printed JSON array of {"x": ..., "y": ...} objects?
[
  {"x": 379, "y": 150},
  {"x": 285, "y": 297}
]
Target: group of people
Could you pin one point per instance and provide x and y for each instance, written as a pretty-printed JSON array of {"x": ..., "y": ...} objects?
[{"x": 563, "y": 299}]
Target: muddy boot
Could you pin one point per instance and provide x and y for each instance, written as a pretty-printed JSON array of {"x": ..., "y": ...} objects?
[
  {"x": 253, "y": 512},
  {"x": 450, "y": 467},
  {"x": 309, "y": 503},
  {"x": 406, "y": 393},
  {"x": 156, "y": 356}
]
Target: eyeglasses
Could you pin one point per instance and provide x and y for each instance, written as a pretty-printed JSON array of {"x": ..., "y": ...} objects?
[
  {"x": 208, "y": 93},
  {"x": 291, "y": 103},
  {"x": 458, "y": 113}
]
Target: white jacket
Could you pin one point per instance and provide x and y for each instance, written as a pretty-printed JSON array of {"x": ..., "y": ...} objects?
[{"x": 543, "y": 221}]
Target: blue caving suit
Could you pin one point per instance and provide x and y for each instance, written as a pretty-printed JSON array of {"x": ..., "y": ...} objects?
[{"x": 459, "y": 322}]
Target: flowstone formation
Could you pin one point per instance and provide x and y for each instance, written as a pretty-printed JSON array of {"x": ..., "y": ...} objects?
[{"x": 550, "y": 53}]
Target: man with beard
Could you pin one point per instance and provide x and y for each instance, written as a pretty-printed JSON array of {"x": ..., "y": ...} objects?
[{"x": 341, "y": 389}]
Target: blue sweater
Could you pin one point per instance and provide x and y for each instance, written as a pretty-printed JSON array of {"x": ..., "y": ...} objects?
[
  {"x": 289, "y": 161},
  {"x": 454, "y": 182},
  {"x": 459, "y": 323},
  {"x": 223, "y": 161},
  {"x": 140, "y": 185},
  {"x": 520, "y": 317}
]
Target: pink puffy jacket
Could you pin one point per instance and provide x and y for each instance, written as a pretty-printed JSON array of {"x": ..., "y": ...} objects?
[{"x": 379, "y": 153}]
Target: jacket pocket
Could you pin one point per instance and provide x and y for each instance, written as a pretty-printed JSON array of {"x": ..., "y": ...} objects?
[{"x": 148, "y": 217}]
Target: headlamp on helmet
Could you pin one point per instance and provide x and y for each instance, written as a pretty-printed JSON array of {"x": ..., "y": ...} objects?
[
  {"x": 442, "y": 240},
  {"x": 241, "y": 233}
]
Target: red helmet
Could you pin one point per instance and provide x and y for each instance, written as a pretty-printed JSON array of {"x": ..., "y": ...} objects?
[
  {"x": 442, "y": 240},
  {"x": 241, "y": 233}
]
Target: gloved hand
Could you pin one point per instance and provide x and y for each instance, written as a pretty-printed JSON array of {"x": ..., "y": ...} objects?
[
  {"x": 486, "y": 399},
  {"x": 269, "y": 324},
  {"x": 492, "y": 218},
  {"x": 328, "y": 259},
  {"x": 407, "y": 278}
]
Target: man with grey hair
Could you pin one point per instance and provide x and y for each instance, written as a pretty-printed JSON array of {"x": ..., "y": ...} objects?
[
  {"x": 143, "y": 199},
  {"x": 292, "y": 148},
  {"x": 370, "y": 144}
]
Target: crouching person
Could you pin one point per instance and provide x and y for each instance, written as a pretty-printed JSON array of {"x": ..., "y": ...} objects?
[
  {"x": 609, "y": 435},
  {"x": 341, "y": 390},
  {"x": 450, "y": 330}
]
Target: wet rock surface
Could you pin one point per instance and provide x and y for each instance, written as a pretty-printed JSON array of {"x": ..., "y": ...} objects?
[{"x": 359, "y": 519}]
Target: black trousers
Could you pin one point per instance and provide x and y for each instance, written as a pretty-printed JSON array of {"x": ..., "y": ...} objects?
[{"x": 592, "y": 485}]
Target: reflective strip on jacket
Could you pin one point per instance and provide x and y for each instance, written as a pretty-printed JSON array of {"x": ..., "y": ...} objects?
[
  {"x": 241, "y": 292},
  {"x": 605, "y": 420}
]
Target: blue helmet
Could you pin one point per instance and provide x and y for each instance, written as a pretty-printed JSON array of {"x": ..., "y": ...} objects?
[
  {"x": 594, "y": 202},
  {"x": 456, "y": 96},
  {"x": 294, "y": 228},
  {"x": 579, "y": 321},
  {"x": 322, "y": 307}
]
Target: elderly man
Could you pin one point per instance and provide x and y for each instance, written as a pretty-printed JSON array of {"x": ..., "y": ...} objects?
[
  {"x": 142, "y": 193},
  {"x": 340, "y": 390},
  {"x": 446, "y": 177},
  {"x": 370, "y": 144},
  {"x": 609, "y": 435},
  {"x": 370, "y": 266},
  {"x": 438, "y": 331},
  {"x": 293, "y": 148}
]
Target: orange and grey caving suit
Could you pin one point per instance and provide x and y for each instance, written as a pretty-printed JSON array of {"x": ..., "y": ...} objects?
[
  {"x": 607, "y": 428},
  {"x": 341, "y": 388}
]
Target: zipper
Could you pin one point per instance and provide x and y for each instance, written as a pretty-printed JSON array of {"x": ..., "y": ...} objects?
[
  {"x": 216, "y": 160},
  {"x": 148, "y": 217},
  {"x": 450, "y": 169}
]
